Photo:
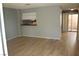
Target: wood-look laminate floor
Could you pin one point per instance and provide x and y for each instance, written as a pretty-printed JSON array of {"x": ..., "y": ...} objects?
[{"x": 30, "y": 46}]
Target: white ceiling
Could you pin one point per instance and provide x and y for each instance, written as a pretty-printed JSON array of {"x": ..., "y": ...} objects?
[{"x": 35, "y": 5}]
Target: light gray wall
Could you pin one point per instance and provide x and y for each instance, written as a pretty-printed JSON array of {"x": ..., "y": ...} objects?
[
  {"x": 65, "y": 22},
  {"x": 19, "y": 23},
  {"x": 11, "y": 20},
  {"x": 48, "y": 23}
]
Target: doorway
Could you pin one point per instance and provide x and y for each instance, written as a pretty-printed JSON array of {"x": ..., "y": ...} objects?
[
  {"x": 69, "y": 21},
  {"x": 69, "y": 30},
  {"x": 72, "y": 22}
]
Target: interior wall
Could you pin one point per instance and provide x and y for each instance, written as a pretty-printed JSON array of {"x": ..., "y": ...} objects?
[
  {"x": 19, "y": 23},
  {"x": 11, "y": 22},
  {"x": 65, "y": 22},
  {"x": 48, "y": 23}
]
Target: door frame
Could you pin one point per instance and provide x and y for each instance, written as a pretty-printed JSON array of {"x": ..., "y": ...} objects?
[
  {"x": 71, "y": 22},
  {"x": 3, "y": 34},
  {"x": 67, "y": 25},
  {"x": 78, "y": 27}
]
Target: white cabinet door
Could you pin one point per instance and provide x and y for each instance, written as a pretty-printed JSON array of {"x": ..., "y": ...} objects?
[{"x": 30, "y": 16}]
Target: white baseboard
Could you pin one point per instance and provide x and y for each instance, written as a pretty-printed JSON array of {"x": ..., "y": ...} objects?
[
  {"x": 12, "y": 37},
  {"x": 55, "y": 38}
]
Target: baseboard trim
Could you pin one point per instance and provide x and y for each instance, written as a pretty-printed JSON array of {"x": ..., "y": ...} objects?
[
  {"x": 12, "y": 37},
  {"x": 55, "y": 38}
]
